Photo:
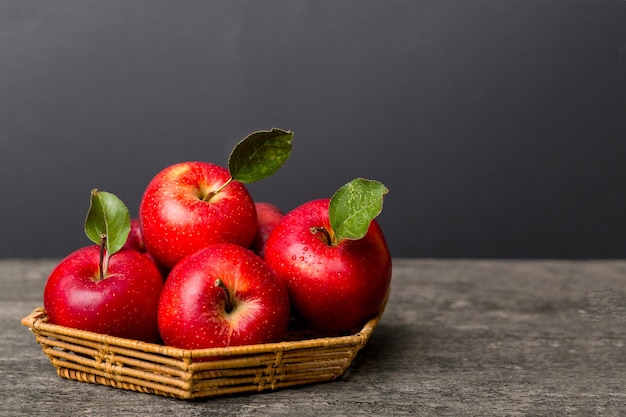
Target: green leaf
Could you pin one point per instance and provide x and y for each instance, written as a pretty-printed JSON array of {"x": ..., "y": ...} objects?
[
  {"x": 109, "y": 216},
  {"x": 354, "y": 206},
  {"x": 259, "y": 155}
]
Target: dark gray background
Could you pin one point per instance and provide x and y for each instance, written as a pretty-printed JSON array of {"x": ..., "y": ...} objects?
[{"x": 498, "y": 126}]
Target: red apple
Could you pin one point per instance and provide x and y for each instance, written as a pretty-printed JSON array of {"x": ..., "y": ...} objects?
[
  {"x": 268, "y": 216},
  {"x": 222, "y": 295},
  {"x": 333, "y": 286},
  {"x": 135, "y": 238},
  {"x": 135, "y": 242},
  {"x": 191, "y": 205},
  {"x": 184, "y": 208},
  {"x": 122, "y": 303}
]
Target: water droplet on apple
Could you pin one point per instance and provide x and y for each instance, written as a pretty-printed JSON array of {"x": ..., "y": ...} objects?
[
  {"x": 306, "y": 248},
  {"x": 302, "y": 258},
  {"x": 293, "y": 257}
]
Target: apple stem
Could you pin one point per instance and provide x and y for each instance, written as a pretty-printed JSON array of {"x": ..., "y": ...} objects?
[
  {"x": 104, "y": 258},
  {"x": 324, "y": 234},
  {"x": 229, "y": 301},
  {"x": 220, "y": 188}
]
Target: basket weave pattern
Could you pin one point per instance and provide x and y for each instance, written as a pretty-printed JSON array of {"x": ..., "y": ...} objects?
[{"x": 190, "y": 374}]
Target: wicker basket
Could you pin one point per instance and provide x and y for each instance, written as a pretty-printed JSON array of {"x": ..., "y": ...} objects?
[{"x": 304, "y": 358}]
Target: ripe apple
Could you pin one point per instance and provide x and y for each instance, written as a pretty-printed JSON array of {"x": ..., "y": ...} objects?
[
  {"x": 106, "y": 288},
  {"x": 182, "y": 210},
  {"x": 222, "y": 295},
  {"x": 190, "y": 205},
  {"x": 135, "y": 238},
  {"x": 135, "y": 242},
  {"x": 122, "y": 303},
  {"x": 268, "y": 216},
  {"x": 334, "y": 284}
]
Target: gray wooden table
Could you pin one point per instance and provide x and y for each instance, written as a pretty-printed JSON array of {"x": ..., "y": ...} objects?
[{"x": 459, "y": 338}]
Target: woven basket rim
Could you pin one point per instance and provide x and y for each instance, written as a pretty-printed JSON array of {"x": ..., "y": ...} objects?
[{"x": 37, "y": 321}]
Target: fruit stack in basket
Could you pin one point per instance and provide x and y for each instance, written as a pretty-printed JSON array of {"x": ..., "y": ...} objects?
[{"x": 205, "y": 268}]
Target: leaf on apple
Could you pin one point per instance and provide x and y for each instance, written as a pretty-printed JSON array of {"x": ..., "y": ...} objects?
[
  {"x": 107, "y": 216},
  {"x": 259, "y": 155},
  {"x": 354, "y": 206}
]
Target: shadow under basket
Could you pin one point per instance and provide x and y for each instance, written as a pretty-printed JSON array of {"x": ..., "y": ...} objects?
[{"x": 303, "y": 358}]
